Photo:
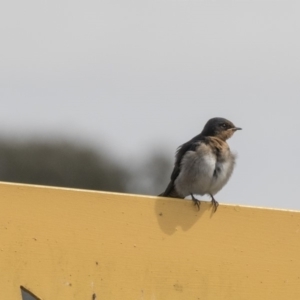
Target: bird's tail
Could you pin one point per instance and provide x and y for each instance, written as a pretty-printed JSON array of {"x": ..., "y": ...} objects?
[{"x": 170, "y": 191}]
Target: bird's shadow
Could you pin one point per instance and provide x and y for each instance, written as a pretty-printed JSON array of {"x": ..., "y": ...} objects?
[{"x": 174, "y": 213}]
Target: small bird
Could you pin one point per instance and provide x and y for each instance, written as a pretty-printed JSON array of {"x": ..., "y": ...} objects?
[{"x": 204, "y": 164}]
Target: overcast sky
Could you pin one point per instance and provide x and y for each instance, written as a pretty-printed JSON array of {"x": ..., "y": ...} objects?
[{"x": 136, "y": 77}]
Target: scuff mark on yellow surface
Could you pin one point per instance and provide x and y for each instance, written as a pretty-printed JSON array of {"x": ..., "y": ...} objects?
[{"x": 72, "y": 244}]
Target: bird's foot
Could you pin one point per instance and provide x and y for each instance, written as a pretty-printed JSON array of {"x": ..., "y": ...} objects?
[
  {"x": 214, "y": 202},
  {"x": 196, "y": 201}
]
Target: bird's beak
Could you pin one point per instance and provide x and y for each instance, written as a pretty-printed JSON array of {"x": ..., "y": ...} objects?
[{"x": 236, "y": 128}]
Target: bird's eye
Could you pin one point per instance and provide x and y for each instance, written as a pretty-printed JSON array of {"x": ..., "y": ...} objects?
[{"x": 224, "y": 125}]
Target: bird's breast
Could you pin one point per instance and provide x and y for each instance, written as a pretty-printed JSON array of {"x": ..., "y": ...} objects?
[
  {"x": 196, "y": 171},
  {"x": 204, "y": 171},
  {"x": 223, "y": 170}
]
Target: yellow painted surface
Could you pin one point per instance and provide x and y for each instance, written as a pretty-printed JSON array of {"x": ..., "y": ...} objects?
[{"x": 70, "y": 244}]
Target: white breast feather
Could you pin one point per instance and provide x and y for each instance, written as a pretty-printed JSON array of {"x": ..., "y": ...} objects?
[{"x": 197, "y": 173}]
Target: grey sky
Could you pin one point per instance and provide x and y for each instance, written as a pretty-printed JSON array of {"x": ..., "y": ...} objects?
[{"x": 140, "y": 76}]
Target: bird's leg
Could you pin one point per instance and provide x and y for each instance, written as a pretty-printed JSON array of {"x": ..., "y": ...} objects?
[
  {"x": 214, "y": 202},
  {"x": 196, "y": 201}
]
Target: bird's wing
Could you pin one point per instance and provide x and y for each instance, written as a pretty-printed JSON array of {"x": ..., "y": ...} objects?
[
  {"x": 191, "y": 145},
  {"x": 181, "y": 151}
]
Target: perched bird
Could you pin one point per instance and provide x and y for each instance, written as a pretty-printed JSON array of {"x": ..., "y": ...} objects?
[{"x": 204, "y": 164}]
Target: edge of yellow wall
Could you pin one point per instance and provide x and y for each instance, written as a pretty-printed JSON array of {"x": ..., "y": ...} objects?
[{"x": 62, "y": 243}]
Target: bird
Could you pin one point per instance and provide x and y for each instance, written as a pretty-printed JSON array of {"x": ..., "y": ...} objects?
[{"x": 204, "y": 164}]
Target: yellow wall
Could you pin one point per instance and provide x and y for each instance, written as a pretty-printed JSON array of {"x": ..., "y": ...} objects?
[{"x": 71, "y": 244}]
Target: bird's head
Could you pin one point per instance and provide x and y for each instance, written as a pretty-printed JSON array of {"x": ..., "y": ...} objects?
[{"x": 219, "y": 127}]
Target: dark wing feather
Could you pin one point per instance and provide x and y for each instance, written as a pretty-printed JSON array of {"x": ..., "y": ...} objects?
[{"x": 188, "y": 146}]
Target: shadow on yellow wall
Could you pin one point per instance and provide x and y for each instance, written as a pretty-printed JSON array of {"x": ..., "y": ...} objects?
[{"x": 73, "y": 244}]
